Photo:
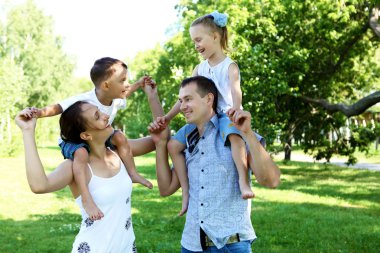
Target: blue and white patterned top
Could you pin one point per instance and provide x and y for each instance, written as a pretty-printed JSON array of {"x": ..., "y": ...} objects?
[{"x": 215, "y": 202}]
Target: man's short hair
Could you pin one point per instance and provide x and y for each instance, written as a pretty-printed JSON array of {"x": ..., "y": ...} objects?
[
  {"x": 103, "y": 69},
  {"x": 204, "y": 87}
]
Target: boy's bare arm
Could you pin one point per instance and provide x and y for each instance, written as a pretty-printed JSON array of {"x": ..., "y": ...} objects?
[
  {"x": 49, "y": 111},
  {"x": 145, "y": 80}
]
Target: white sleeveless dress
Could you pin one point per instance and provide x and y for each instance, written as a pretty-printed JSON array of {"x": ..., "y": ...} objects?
[
  {"x": 219, "y": 74},
  {"x": 114, "y": 232}
]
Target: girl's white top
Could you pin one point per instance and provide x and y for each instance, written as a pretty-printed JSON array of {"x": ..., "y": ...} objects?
[
  {"x": 219, "y": 74},
  {"x": 114, "y": 232}
]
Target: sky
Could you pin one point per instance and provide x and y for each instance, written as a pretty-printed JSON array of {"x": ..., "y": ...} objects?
[{"x": 92, "y": 29}]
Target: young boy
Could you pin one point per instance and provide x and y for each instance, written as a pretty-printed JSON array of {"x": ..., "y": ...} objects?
[{"x": 110, "y": 77}]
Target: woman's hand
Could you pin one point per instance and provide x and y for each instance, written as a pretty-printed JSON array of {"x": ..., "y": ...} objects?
[{"x": 25, "y": 122}]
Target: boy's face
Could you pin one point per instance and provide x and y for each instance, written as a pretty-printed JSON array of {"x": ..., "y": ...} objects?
[{"x": 117, "y": 84}]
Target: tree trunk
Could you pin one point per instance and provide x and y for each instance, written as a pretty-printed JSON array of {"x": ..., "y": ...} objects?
[{"x": 288, "y": 149}]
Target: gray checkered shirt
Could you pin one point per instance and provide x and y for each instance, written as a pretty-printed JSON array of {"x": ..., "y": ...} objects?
[{"x": 215, "y": 203}]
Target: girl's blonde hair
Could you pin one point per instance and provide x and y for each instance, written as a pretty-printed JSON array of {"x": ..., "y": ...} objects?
[{"x": 208, "y": 21}]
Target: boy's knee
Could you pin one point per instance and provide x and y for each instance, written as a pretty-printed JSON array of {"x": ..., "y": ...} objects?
[
  {"x": 118, "y": 138},
  {"x": 81, "y": 154}
]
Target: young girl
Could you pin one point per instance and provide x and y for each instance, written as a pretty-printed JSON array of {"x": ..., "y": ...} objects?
[{"x": 209, "y": 34}]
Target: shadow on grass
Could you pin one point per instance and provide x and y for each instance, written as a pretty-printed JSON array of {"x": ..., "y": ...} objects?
[
  {"x": 331, "y": 181},
  {"x": 305, "y": 227},
  {"x": 41, "y": 233},
  {"x": 280, "y": 226}
]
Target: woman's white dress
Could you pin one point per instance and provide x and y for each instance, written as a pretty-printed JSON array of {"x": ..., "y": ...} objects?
[{"x": 114, "y": 232}]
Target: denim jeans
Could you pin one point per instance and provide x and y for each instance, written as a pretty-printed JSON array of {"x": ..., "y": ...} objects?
[{"x": 238, "y": 247}]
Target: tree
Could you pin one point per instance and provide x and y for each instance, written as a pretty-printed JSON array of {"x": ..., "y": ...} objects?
[
  {"x": 34, "y": 70},
  {"x": 293, "y": 54}
]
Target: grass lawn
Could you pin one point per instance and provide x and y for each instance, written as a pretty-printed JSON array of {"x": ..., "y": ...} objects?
[{"x": 317, "y": 208}]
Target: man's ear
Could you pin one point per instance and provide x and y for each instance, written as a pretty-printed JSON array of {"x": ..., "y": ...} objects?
[
  {"x": 210, "y": 98},
  {"x": 85, "y": 136}
]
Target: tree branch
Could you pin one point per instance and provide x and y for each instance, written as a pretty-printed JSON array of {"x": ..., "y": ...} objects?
[
  {"x": 374, "y": 20},
  {"x": 349, "y": 110}
]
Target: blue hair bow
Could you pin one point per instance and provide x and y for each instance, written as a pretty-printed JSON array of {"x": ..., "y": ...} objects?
[{"x": 220, "y": 19}]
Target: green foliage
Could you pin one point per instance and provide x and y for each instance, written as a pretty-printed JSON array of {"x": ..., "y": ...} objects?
[
  {"x": 34, "y": 70},
  {"x": 286, "y": 50}
]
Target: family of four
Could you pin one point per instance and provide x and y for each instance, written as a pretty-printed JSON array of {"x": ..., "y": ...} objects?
[{"x": 211, "y": 154}]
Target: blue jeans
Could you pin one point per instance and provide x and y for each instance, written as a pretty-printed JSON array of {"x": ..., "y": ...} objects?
[{"x": 238, "y": 247}]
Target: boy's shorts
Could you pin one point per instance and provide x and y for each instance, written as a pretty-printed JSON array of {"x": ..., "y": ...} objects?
[
  {"x": 68, "y": 148},
  {"x": 226, "y": 128}
]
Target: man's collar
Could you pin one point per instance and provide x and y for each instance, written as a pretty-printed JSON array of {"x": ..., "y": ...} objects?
[{"x": 214, "y": 120}]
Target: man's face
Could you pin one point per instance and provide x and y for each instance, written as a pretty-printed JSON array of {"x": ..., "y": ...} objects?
[{"x": 194, "y": 107}]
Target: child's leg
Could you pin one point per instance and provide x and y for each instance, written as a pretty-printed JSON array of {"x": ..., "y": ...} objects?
[
  {"x": 175, "y": 149},
  {"x": 123, "y": 149},
  {"x": 79, "y": 170},
  {"x": 240, "y": 158},
  {"x": 141, "y": 146}
]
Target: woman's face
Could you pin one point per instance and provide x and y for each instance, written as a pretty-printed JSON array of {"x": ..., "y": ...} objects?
[{"x": 96, "y": 121}]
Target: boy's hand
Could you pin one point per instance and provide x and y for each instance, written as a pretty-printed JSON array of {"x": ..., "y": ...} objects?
[
  {"x": 149, "y": 81},
  {"x": 30, "y": 112},
  {"x": 146, "y": 80},
  {"x": 163, "y": 122}
]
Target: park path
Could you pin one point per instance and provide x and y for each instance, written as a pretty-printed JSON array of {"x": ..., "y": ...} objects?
[{"x": 339, "y": 162}]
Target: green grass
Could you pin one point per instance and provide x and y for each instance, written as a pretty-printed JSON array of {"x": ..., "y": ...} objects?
[{"x": 317, "y": 208}]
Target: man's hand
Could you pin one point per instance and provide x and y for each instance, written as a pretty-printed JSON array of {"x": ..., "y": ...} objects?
[
  {"x": 241, "y": 120},
  {"x": 158, "y": 133}
]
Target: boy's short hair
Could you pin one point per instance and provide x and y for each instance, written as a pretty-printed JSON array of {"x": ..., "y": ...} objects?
[
  {"x": 102, "y": 69},
  {"x": 204, "y": 87}
]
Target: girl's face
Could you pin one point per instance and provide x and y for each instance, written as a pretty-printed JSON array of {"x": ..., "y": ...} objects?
[
  {"x": 206, "y": 42},
  {"x": 96, "y": 121}
]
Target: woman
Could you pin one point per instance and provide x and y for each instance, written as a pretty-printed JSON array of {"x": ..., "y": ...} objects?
[{"x": 107, "y": 178}]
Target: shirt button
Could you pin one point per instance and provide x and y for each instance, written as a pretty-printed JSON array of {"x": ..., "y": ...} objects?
[
  {"x": 202, "y": 153},
  {"x": 203, "y": 137},
  {"x": 201, "y": 221},
  {"x": 202, "y": 187},
  {"x": 202, "y": 170},
  {"x": 201, "y": 204}
]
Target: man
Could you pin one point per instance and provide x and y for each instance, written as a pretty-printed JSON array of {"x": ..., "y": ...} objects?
[{"x": 218, "y": 219}]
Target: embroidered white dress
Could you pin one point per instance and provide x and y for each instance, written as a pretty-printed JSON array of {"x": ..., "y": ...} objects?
[{"x": 114, "y": 232}]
